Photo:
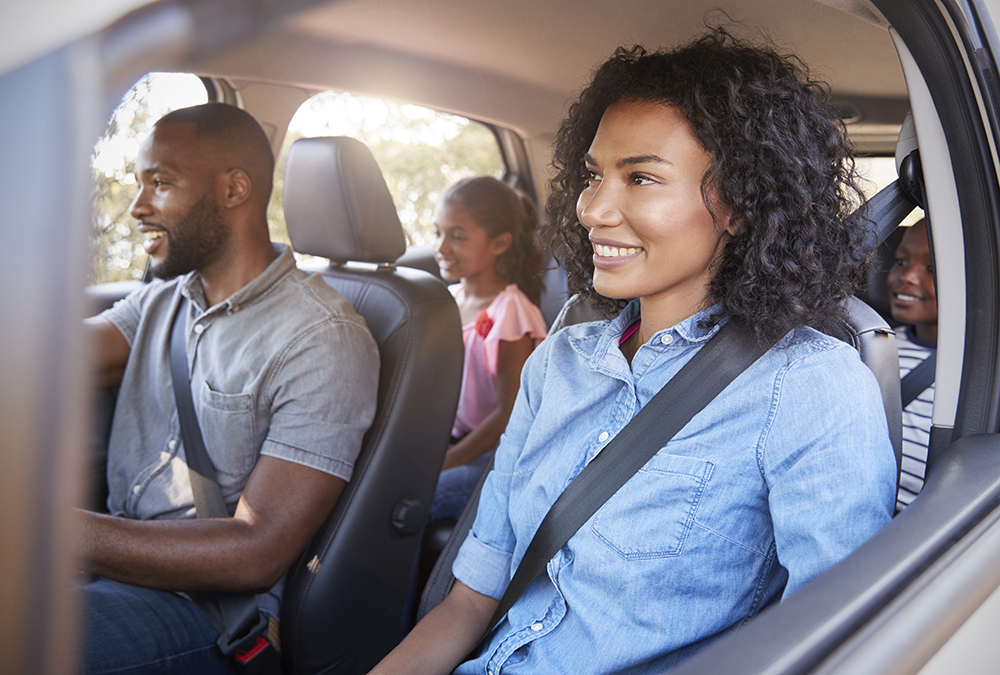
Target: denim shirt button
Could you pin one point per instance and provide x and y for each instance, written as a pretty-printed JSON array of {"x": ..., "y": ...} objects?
[
  {"x": 603, "y": 437},
  {"x": 537, "y": 626},
  {"x": 136, "y": 489},
  {"x": 666, "y": 339},
  {"x": 172, "y": 444}
]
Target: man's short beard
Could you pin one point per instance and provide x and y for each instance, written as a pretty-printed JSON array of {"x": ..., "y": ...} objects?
[{"x": 195, "y": 241}]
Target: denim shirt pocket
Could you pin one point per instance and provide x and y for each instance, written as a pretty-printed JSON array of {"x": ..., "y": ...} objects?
[
  {"x": 652, "y": 514},
  {"x": 227, "y": 426}
]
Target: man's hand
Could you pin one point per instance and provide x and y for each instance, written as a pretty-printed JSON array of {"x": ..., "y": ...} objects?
[{"x": 281, "y": 508}]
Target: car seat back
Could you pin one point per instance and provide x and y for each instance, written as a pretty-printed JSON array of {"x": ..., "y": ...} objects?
[{"x": 344, "y": 598}]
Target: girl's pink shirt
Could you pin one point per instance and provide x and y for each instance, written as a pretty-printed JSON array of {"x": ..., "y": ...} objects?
[{"x": 509, "y": 318}]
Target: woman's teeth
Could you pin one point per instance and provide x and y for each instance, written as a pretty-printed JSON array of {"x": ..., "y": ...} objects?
[
  {"x": 907, "y": 298},
  {"x": 614, "y": 251}
]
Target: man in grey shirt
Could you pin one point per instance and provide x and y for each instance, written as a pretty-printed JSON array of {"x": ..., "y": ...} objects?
[{"x": 283, "y": 375}]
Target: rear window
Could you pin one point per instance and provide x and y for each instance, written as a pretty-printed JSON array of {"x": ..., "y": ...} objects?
[
  {"x": 878, "y": 172},
  {"x": 420, "y": 151}
]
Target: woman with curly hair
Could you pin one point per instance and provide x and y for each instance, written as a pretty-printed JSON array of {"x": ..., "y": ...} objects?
[{"x": 707, "y": 184}]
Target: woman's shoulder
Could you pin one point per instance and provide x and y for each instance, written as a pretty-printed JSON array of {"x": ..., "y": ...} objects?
[{"x": 823, "y": 357}]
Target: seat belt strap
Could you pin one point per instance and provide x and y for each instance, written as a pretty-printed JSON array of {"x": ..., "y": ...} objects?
[
  {"x": 208, "y": 502},
  {"x": 720, "y": 361},
  {"x": 236, "y": 615},
  {"x": 885, "y": 211},
  {"x": 918, "y": 379}
]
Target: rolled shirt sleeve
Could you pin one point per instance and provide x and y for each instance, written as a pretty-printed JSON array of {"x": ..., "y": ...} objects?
[{"x": 486, "y": 559}]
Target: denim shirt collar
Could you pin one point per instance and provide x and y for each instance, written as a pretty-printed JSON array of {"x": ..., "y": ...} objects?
[
  {"x": 601, "y": 351},
  {"x": 192, "y": 288}
]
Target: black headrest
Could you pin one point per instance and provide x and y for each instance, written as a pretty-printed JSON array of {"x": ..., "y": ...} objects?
[{"x": 337, "y": 205}]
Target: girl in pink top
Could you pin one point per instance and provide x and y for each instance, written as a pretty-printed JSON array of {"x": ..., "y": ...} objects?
[{"x": 485, "y": 238}]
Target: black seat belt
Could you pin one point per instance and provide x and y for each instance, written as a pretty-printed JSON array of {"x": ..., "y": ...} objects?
[
  {"x": 918, "y": 379},
  {"x": 241, "y": 624},
  {"x": 720, "y": 361}
]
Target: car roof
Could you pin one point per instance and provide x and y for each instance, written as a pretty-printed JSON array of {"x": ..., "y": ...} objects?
[
  {"x": 514, "y": 64},
  {"x": 540, "y": 53}
]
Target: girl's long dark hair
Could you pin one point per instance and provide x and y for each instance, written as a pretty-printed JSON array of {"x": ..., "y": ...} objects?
[{"x": 498, "y": 209}]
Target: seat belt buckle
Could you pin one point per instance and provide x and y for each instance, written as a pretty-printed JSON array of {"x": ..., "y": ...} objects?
[
  {"x": 235, "y": 644},
  {"x": 261, "y": 659},
  {"x": 252, "y": 653}
]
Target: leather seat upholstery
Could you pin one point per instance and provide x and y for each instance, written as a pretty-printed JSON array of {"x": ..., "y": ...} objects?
[{"x": 345, "y": 597}]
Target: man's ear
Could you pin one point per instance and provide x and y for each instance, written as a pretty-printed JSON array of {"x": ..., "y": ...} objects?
[
  {"x": 500, "y": 243},
  {"x": 235, "y": 188}
]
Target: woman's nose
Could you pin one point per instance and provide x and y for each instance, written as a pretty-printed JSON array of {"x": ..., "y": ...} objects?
[{"x": 598, "y": 207}]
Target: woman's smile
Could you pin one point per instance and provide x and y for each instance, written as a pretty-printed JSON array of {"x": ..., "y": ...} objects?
[{"x": 610, "y": 254}]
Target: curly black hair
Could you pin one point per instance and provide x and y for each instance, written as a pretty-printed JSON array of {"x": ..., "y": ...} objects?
[
  {"x": 781, "y": 165},
  {"x": 498, "y": 208}
]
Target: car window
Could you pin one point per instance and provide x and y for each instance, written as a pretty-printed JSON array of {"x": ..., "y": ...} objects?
[
  {"x": 420, "y": 151},
  {"x": 115, "y": 243},
  {"x": 879, "y": 172}
]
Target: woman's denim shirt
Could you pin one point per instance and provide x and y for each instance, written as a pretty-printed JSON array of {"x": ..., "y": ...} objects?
[{"x": 785, "y": 473}]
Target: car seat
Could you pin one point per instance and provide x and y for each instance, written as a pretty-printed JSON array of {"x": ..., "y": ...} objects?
[{"x": 345, "y": 596}]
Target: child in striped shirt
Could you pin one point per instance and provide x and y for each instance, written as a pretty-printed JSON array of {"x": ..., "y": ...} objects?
[{"x": 913, "y": 302}]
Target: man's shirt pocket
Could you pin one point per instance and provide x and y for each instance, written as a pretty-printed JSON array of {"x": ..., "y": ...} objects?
[{"x": 226, "y": 424}]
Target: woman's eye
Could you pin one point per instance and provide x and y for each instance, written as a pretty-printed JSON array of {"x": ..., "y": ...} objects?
[
  {"x": 640, "y": 179},
  {"x": 592, "y": 177}
]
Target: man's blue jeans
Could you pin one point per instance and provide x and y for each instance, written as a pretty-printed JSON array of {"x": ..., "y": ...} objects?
[{"x": 130, "y": 630}]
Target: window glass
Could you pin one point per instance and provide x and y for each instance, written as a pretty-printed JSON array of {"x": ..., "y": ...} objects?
[
  {"x": 116, "y": 244},
  {"x": 879, "y": 172},
  {"x": 420, "y": 151}
]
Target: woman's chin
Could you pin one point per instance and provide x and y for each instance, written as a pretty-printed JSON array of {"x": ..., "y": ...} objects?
[{"x": 612, "y": 292}]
